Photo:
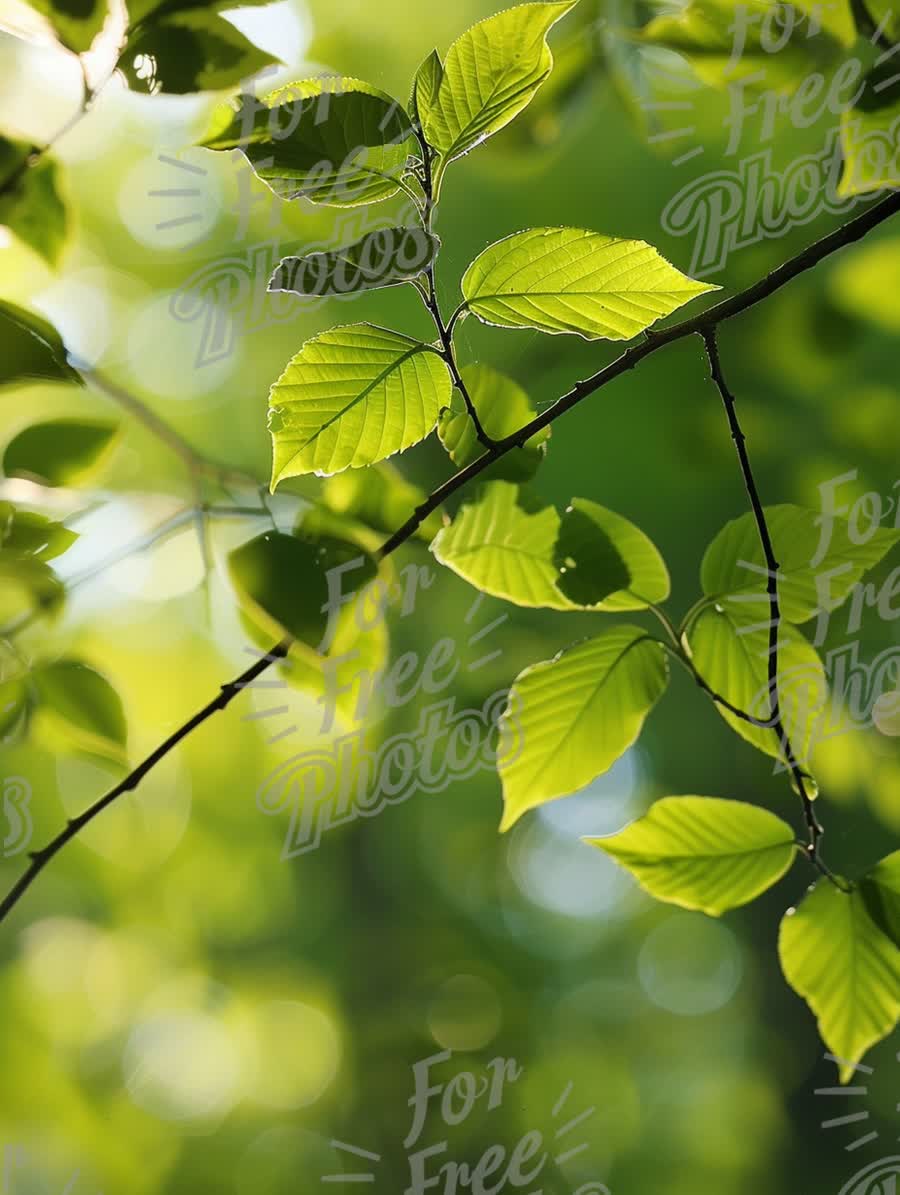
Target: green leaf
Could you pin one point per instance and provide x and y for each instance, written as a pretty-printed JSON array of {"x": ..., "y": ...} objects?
[
  {"x": 385, "y": 257},
  {"x": 490, "y": 74},
  {"x": 380, "y": 497},
  {"x": 140, "y": 10},
  {"x": 29, "y": 534},
  {"x": 569, "y": 280},
  {"x": 59, "y": 452},
  {"x": 335, "y": 140},
  {"x": 503, "y": 408},
  {"x": 503, "y": 543},
  {"x": 734, "y": 662},
  {"x": 703, "y": 852},
  {"x": 352, "y": 396},
  {"x": 80, "y": 710},
  {"x": 426, "y": 85},
  {"x": 881, "y": 891},
  {"x": 869, "y": 135},
  {"x": 76, "y": 22},
  {"x": 28, "y": 586},
  {"x": 31, "y": 207},
  {"x": 847, "y": 970},
  {"x": 31, "y": 348},
  {"x": 606, "y": 562},
  {"x": 194, "y": 50},
  {"x": 283, "y": 581},
  {"x": 807, "y": 547},
  {"x": 569, "y": 719}
]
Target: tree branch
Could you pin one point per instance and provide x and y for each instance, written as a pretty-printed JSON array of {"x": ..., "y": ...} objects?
[{"x": 805, "y": 260}]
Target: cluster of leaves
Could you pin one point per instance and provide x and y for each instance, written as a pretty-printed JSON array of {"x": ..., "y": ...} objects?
[{"x": 356, "y": 395}]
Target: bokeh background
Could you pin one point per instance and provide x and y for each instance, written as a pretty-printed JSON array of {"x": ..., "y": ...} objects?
[{"x": 181, "y": 1008}]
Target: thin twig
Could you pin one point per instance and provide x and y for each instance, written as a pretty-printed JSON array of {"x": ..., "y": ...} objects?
[{"x": 805, "y": 260}]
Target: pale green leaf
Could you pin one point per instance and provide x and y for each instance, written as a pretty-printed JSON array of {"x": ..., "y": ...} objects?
[
  {"x": 490, "y": 74},
  {"x": 353, "y": 396},
  {"x": 384, "y": 257},
  {"x": 59, "y": 452},
  {"x": 569, "y": 719},
  {"x": 425, "y": 87},
  {"x": 814, "y": 553},
  {"x": 571, "y": 280},
  {"x": 79, "y": 709},
  {"x": 31, "y": 349},
  {"x": 835, "y": 957},
  {"x": 606, "y": 562},
  {"x": 502, "y": 543},
  {"x": 733, "y": 659},
  {"x": 503, "y": 408},
  {"x": 703, "y": 852},
  {"x": 333, "y": 140},
  {"x": 378, "y": 497}
]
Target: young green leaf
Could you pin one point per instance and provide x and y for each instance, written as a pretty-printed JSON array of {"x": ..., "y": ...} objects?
[
  {"x": 194, "y": 50},
  {"x": 502, "y": 543},
  {"x": 607, "y": 563},
  {"x": 80, "y": 710},
  {"x": 32, "y": 208},
  {"x": 30, "y": 534},
  {"x": 703, "y": 852},
  {"x": 352, "y": 396},
  {"x": 335, "y": 140},
  {"x": 733, "y": 659},
  {"x": 569, "y": 280},
  {"x": 425, "y": 87},
  {"x": 380, "y": 497},
  {"x": 503, "y": 408},
  {"x": 283, "y": 581},
  {"x": 569, "y": 719},
  {"x": 820, "y": 559},
  {"x": 868, "y": 134},
  {"x": 490, "y": 74},
  {"x": 59, "y": 452},
  {"x": 31, "y": 349},
  {"x": 881, "y": 892},
  {"x": 835, "y": 957},
  {"x": 76, "y": 22},
  {"x": 385, "y": 257}
]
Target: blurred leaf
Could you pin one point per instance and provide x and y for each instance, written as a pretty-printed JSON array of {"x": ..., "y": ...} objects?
[
  {"x": 569, "y": 719},
  {"x": 703, "y": 852},
  {"x": 569, "y": 280},
  {"x": 426, "y": 83},
  {"x": 333, "y": 140},
  {"x": 503, "y": 543},
  {"x": 380, "y": 497},
  {"x": 384, "y": 257},
  {"x": 31, "y": 348},
  {"x": 77, "y": 22},
  {"x": 59, "y": 452},
  {"x": 490, "y": 75},
  {"x": 606, "y": 562},
  {"x": 352, "y": 396},
  {"x": 80, "y": 709},
  {"x": 847, "y": 970},
  {"x": 28, "y": 585},
  {"x": 187, "y": 51},
  {"x": 503, "y": 408},
  {"x": 140, "y": 10},
  {"x": 881, "y": 891},
  {"x": 32, "y": 534},
  {"x": 808, "y": 547},
  {"x": 31, "y": 207},
  {"x": 733, "y": 659},
  {"x": 869, "y": 134},
  {"x": 866, "y": 284},
  {"x": 283, "y": 580}
]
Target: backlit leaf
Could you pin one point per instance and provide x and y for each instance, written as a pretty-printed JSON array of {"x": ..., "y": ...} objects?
[
  {"x": 79, "y": 709},
  {"x": 881, "y": 891},
  {"x": 606, "y": 562},
  {"x": 59, "y": 452},
  {"x": 31, "y": 349},
  {"x": 31, "y": 207},
  {"x": 503, "y": 408},
  {"x": 76, "y": 22}
]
